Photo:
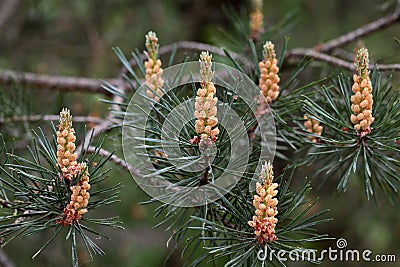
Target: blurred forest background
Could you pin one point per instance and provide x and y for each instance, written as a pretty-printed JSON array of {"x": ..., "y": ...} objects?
[{"x": 64, "y": 37}]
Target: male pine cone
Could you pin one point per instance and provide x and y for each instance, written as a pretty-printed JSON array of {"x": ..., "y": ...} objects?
[
  {"x": 362, "y": 99},
  {"x": 269, "y": 77},
  {"x": 265, "y": 202}
]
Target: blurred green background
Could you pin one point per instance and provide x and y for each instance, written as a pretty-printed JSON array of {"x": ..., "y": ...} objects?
[{"x": 61, "y": 37}]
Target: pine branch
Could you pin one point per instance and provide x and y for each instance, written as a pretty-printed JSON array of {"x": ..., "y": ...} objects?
[
  {"x": 33, "y": 118},
  {"x": 297, "y": 54},
  {"x": 364, "y": 30},
  {"x": 134, "y": 171},
  {"x": 100, "y": 128},
  {"x": 194, "y": 46},
  {"x": 197, "y": 46},
  {"x": 343, "y": 54},
  {"x": 114, "y": 158},
  {"x": 63, "y": 83},
  {"x": 109, "y": 121}
]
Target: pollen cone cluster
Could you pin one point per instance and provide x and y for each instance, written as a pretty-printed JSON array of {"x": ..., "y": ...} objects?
[
  {"x": 256, "y": 19},
  {"x": 313, "y": 127},
  {"x": 362, "y": 98},
  {"x": 153, "y": 67},
  {"x": 66, "y": 157},
  {"x": 79, "y": 198},
  {"x": 70, "y": 169},
  {"x": 269, "y": 78},
  {"x": 205, "y": 106},
  {"x": 264, "y": 221}
]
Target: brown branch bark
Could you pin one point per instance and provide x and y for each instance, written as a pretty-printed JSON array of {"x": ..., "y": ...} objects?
[
  {"x": 191, "y": 45},
  {"x": 115, "y": 159},
  {"x": 63, "y": 83},
  {"x": 195, "y": 46},
  {"x": 364, "y": 30},
  {"x": 99, "y": 129},
  {"x": 33, "y": 118},
  {"x": 297, "y": 54},
  {"x": 109, "y": 121},
  {"x": 133, "y": 171}
]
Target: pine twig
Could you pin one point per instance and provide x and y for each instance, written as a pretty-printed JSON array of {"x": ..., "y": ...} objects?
[
  {"x": 195, "y": 46},
  {"x": 134, "y": 171},
  {"x": 63, "y": 83},
  {"x": 33, "y": 118},
  {"x": 103, "y": 127},
  {"x": 109, "y": 120},
  {"x": 114, "y": 159},
  {"x": 297, "y": 54}
]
